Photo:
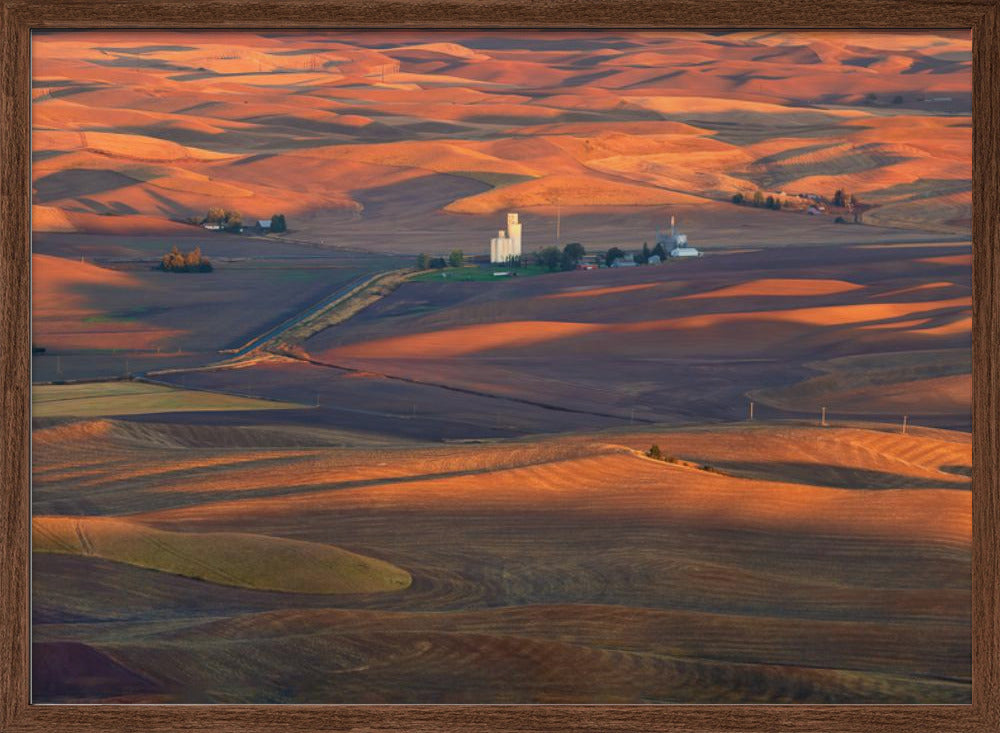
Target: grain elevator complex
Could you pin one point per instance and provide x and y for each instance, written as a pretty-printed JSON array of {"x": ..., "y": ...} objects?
[{"x": 507, "y": 244}]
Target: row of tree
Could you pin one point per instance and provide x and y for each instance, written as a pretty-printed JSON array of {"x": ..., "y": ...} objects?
[
  {"x": 841, "y": 199},
  {"x": 552, "y": 258},
  {"x": 844, "y": 199},
  {"x": 231, "y": 220},
  {"x": 455, "y": 259},
  {"x": 227, "y": 219},
  {"x": 177, "y": 261},
  {"x": 757, "y": 201}
]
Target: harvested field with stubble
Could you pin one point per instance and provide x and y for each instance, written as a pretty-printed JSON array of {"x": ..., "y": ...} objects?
[
  {"x": 535, "y": 564},
  {"x": 225, "y": 558},
  {"x": 96, "y": 399},
  {"x": 101, "y": 309},
  {"x": 880, "y": 333}
]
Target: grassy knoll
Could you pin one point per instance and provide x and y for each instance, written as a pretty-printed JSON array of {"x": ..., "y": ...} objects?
[
  {"x": 96, "y": 399},
  {"x": 227, "y": 558}
]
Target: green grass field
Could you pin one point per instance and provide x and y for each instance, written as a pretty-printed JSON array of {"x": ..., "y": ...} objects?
[
  {"x": 474, "y": 273},
  {"x": 98, "y": 399}
]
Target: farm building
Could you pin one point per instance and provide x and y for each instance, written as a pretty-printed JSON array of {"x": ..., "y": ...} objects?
[
  {"x": 626, "y": 261},
  {"x": 507, "y": 243},
  {"x": 675, "y": 244}
]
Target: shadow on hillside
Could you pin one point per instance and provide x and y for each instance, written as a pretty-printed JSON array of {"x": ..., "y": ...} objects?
[{"x": 839, "y": 477}]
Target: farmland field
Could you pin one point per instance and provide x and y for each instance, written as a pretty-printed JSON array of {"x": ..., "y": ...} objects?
[
  {"x": 320, "y": 471},
  {"x": 95, "y": 399},
  {"x": 98, "y": 315},
  {"x": 534, "y": 565}
]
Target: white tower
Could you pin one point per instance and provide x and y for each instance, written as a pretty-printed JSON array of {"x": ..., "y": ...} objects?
[
  {"x": 507, "y": 243},
  {"x": 514, "y": 232}
]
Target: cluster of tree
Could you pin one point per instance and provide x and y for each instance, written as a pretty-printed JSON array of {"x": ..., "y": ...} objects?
[
  {"x": 757, "y": 201},
  {"x": 659, "y": 251},
  {"x": 278, "y": 223},
  {"x": 641, "y": 258},
  {"x": 455, "y": 259},
  {"x": 611, "y": 255},
  {"x": 552, "y": 259},
  {"x": 656, "y": 453},
  {"x": 177, "y": 261},
  {"x": 230, "y": 220},
  {"x": 843, "y": 199}
]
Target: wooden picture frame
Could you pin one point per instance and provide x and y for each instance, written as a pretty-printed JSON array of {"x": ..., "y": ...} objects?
[{"x": 21, "y": 17}]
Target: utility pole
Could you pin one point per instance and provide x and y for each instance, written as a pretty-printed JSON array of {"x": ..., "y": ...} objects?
[
  {"x": 904, "y": 423},
  {"x": 822, "y": 419},
  {"x": 558, "y": 221},
  {"x": 751, "y": 411}
]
